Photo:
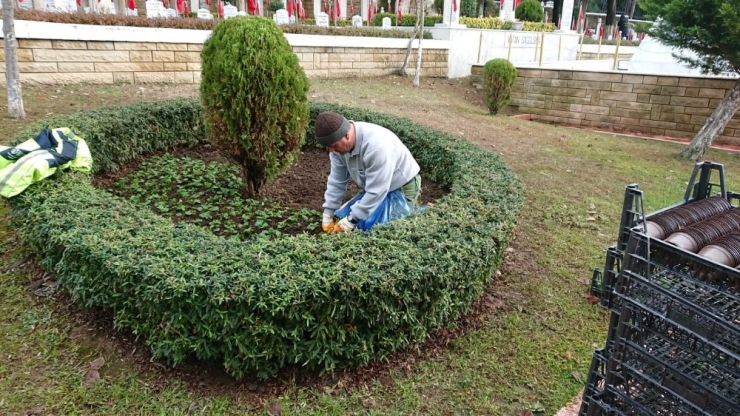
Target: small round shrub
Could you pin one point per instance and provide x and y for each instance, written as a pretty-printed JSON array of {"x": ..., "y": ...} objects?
[
  {"x": 255, "y": 96},
  {"x": 498, "y": 77},
  {"x": 529, "y": 11}
]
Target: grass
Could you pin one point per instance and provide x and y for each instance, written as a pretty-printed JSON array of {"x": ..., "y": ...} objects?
[{"x": 523, "y": 357}]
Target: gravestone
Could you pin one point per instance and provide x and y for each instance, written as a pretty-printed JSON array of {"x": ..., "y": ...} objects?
[
  {"x": 204, "y": 14},
  {"x": 322, "y": 20},
  {"x": 281, "y": 17},
  {"x": 241, "y": 13},
  {"x": 170, "y": 13},
  {"x": 154, "y": 8},
  {"x": 566, "y": 16},
  {"x": 386, "y": 23},
  {"x": 357, "y": 21},
  {"x": 65, "y": 6},
  {"x": 230, "y": 11}
]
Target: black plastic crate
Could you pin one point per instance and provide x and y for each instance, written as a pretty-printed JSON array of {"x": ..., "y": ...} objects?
[
  {"x": 643, "y": 380},
  {"x": 599, "y": 407},
  {"x": 703, "y": 311},
  {"x": 595, "y": 382},
  {"x": 647, "y": 256},
  {"x": 602, "y": 283},
  {"x": 679, "y": 351}
]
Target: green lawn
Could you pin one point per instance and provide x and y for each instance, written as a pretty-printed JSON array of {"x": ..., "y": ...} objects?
[{"x": 520, "y": 356}]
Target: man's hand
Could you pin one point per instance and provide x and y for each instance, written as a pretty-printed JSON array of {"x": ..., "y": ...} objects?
[
  {"x": 327, "y": 222},
  {"x": 343, "y": 226}
]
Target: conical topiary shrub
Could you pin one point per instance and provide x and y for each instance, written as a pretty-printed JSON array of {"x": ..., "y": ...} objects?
[{"x": 255, "y": 96}]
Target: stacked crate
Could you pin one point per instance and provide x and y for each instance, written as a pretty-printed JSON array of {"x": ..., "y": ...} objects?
[{"x": 673, "y": 344}]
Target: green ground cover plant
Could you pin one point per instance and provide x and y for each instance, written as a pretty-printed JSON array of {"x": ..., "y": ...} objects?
[
  {"x": 209, "y": 194},
  {"x": 262, "y": 305}
]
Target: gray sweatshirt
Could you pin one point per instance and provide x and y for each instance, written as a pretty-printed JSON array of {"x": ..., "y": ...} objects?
[{"x": 379, "y": 163}]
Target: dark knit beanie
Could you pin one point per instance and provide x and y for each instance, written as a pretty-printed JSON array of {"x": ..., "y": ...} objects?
[{"x": 330, "y": 127}]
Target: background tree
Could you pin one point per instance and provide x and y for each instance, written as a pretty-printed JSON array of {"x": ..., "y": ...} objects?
[
  {"x": 438, "y": 6},
  {"x": 469, "y": 8},
  {"x": 529, "y": 11},
  {"x": 12, "y": 72},
  {"x": 711, "y": 29},
  {"x": 420, "y": 24},
  {"x": 488, "y": 8},
  {"x": 255, "y": 97},
  {"x": 611, "y": 18}
]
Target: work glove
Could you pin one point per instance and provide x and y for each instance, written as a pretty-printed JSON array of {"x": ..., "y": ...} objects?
[
  {"x": 327, "y": 222},
  {"x": 343, "y": 226}
]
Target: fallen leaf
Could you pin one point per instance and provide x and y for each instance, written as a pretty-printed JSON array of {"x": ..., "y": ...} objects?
[
  {"x": 577, "y": 375},
  {"x": 590, "y": 219},
  {"x": 591, "y": 298},
  {"x": 592, "y": 207},
  {"x": 34, "y": 411},
  {"x": 569, "y": 355},
  {"x": 275, "y": 409},
  {"x": 193, "y": 407},
  {"x": 584, "y": 280},
  {"x": 97, "y": 364},
  {"x": 369, "y": 403},
  {"x": 92, "y": 377}
]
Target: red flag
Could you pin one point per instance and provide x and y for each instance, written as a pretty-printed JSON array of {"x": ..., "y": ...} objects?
[
  {"x": 398, "y": 10},
  {"x": 301, "y": 11},
  {"x": 180, "y": 6},
  {"x": 208, "y": 2},
  {"x": 132, "y": 4},
  {"x": 454, "y": 5},
  {"x": 352, "y": 8},
  {"x": 186, "y": 9},
  {"x": 220, "y": 9},
  {"x": 79, "y": 2},
  {"x": 369, "y": 14},
  {"x": 290, "y": 8},
  {"x": 337, "y": 9},
  {"x": 251, "y": 6}
]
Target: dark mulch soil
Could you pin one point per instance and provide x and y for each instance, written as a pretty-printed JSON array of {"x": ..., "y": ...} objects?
[{"x": 301, "y": 186}]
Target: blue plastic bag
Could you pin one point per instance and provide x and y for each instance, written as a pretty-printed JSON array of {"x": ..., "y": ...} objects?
[{"x": 393, "y": 207}]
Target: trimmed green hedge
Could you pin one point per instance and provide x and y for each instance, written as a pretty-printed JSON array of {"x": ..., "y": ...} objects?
[{"x": 257, "y": 306}]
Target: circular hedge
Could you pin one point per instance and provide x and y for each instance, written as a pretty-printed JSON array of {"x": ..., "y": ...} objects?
[{"x": 256, "y": 306}]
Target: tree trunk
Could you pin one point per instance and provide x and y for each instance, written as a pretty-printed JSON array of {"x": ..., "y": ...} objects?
[
  {"x": 714, "y": 125},
  {"x": 611, "y": 18},
  {"x": 556, "y": 11},
  {"x": 419, "y": 18},
  {"x": 12, "y": 72},
  {"x": 402, "y": 71},
  {"x": 418, "y": 27}
]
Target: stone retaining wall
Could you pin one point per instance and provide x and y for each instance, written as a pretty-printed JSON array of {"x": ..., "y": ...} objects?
[
  {"x": 675, "y": 106},
  {"x": 97, "y": 62}
]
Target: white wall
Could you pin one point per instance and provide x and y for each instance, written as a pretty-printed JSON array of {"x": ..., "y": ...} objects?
[
  {"x": 477, "y": 46},
  {"x": 25, "y": 29}
]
